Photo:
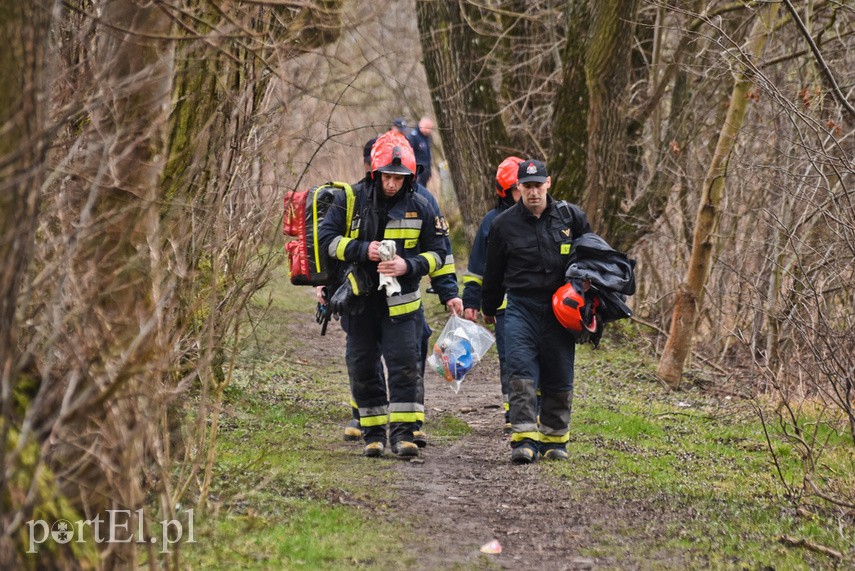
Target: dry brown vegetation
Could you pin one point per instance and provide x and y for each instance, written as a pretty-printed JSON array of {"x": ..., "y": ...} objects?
[{"x": 145, "y": 149}]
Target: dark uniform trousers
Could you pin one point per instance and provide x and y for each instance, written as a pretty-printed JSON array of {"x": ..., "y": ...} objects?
[
  {"x": 398, "y": 340},
  {"x": 501, "y": 349},
  {"x": 538, "y": 350}
]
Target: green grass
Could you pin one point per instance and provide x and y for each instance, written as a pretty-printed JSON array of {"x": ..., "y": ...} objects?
[
  {"x": 684, "y": 476},
  {"x": 702, "y": 464},
  {"x": 285, "y": 494}
]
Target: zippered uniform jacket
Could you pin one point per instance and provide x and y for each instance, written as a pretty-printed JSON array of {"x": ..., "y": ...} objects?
[
  {"x": 528, "y": 255},
  {"x": 420, "y": 236}
]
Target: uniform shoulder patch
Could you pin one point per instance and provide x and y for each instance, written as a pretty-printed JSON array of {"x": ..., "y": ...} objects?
[
  {"x": 441, "y": 225},
  {"x": 566, "y": 232}
]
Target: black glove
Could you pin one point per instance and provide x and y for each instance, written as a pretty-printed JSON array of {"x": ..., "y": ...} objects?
[
  {"x": 344, "y": 301},
  {"x": 350, "y": 296}
]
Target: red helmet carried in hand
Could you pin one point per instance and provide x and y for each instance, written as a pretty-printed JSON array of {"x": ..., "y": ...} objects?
[
  {"x": 568, "y": 305},
  {"x": 393, "y": 154},
  {"x": 507, "y": 174}
]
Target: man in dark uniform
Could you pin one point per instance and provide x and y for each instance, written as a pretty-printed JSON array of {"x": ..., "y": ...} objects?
[
  {"x": 508, "y": 195},
  {"x": 419, "y": 139},
  {"x": 527, "y": 251},
  {"x": 386, "y": 208}
]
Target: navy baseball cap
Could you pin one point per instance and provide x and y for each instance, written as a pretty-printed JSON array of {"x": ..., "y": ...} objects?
[
  {"x": 400, "y": 123},
  {"x": 532, "y": 171}
]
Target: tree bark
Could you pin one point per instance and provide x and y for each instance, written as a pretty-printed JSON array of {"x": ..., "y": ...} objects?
[
  {"x": 568, "y": 162},
  {"x": 607, "y": 75},
  {"x": 465, "y": 104},
  {"x": 690, "y": 294},
  {"x": 114, "y": 342},
  {"x": 24, "y": 71}
]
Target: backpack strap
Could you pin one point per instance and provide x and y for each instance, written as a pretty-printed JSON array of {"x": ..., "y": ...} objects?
[
  {"x": 565, "y": 212},
  {"x": 350, "y": 200}
]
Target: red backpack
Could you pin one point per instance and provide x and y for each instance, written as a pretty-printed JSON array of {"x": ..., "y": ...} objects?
[{"x": 304, "y": 212}]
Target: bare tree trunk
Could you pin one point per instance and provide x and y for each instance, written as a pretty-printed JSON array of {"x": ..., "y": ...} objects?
[
  {"x": 115, "y": 341},
  {"x": 689, "y": 296},
  {"x": 24, "y": 71},
  {"x": 607, "y": 73},
  {"x": 473, "y": 135},
  {"x": 568, "y": 163}
]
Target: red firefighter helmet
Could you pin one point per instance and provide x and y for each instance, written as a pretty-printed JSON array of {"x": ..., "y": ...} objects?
[
  {"x": 507, "y": 174},
  {"x": 393, "y": 154},
  {"x": 568, "y": 305}
]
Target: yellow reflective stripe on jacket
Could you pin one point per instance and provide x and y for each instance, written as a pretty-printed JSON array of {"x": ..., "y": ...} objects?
[
  {"x": 447, "y": 267},
  {"x": 472, "y": 279},
  {"x": 337, "y": 247},
  {"x": 401, "y": 233},
  {"x": 518, "y": 436},
  {"x": 504, "y": 303},
  {"x": 403, "y": 229},
  {"x": 403, "y": 304},
  {"x": 433, "y": 259},
  {"x": 353, "y": 285}
]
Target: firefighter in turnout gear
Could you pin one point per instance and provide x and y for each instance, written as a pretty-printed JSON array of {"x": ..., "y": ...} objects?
[
  {"x": 508, "y": 195},
  {"x": 527, "y": 250},
  {"x": 444, "y": 284},
  {"x": 386, "y": 208}
]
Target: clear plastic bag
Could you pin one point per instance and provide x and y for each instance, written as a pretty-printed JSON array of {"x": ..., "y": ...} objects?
[{"x": 459, "y": 347}]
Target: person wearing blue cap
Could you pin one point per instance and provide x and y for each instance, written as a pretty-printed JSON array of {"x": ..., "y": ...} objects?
[
  {"x": 419, "y": 139},
  {"x": 527, "y": 250}
]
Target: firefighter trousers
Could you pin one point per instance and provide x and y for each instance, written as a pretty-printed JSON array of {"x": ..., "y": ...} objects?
[
  {"x": 538, "y": 351},
  {"x": 370, "y": 335}
]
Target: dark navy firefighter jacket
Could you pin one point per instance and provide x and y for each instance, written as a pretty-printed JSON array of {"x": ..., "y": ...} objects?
[
  {"x": 528, "y": 255},
  {"x": 420, "y": 236},
  {"x": 474, "y": 276}
]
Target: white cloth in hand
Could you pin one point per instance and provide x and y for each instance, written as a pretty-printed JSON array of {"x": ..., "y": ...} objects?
[{"x": 387, "y": 252}]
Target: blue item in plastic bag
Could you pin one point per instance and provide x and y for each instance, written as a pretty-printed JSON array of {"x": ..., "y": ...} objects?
[{"x": 459, "y": 358}]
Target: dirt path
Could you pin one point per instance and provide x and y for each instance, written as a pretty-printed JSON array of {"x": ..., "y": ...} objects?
[{"x": 467, "y": 493}]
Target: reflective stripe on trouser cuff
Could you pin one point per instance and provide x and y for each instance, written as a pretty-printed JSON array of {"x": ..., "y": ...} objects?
[
  {"x": 368, "y": 421},
  {"x": 406, "y": 412},
  {"x": 554, "y": 439},
  {"x": 401, "y": 304},
  {"x": 506, "y": 405},
  {"x": 373, "y": 416},
  {"x": 353, "y": 403},
  {"x": 504, "y": 304},
  {"x": 518, "y": 436},
  {"x": 406, "y": 417}
]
